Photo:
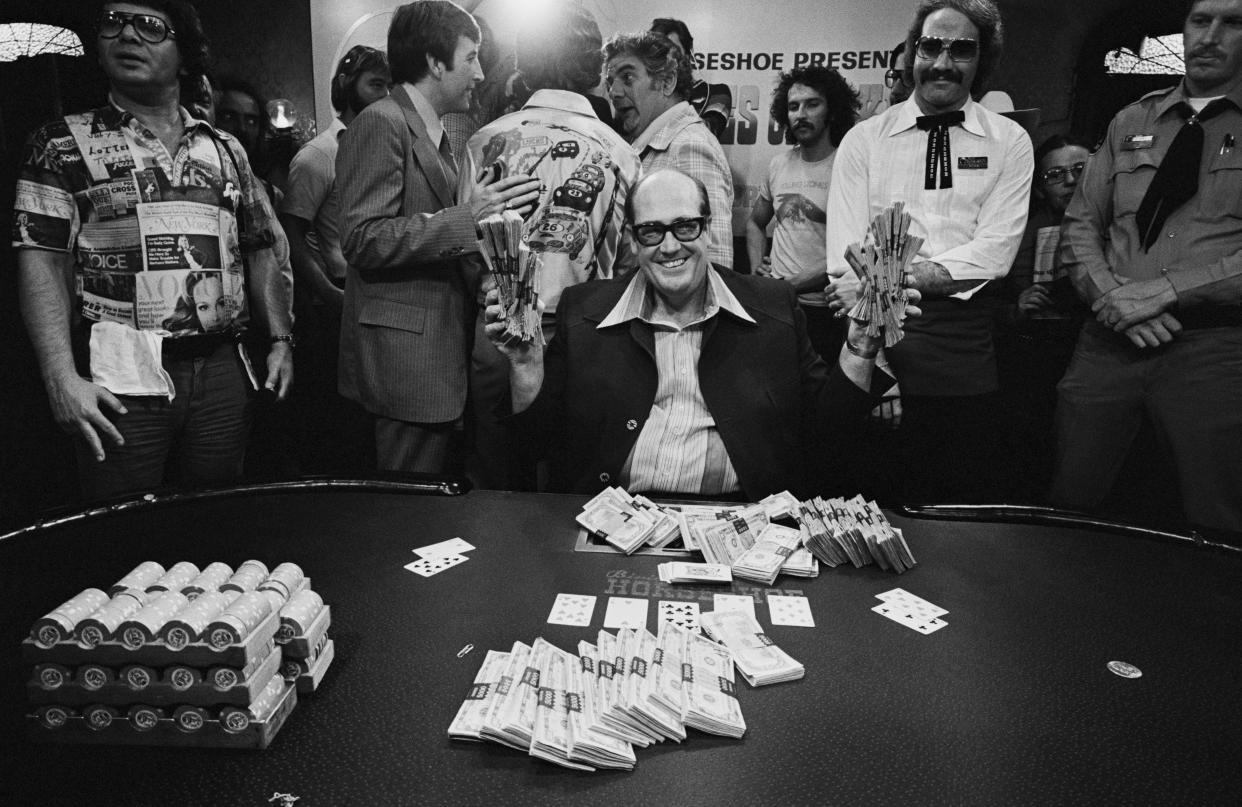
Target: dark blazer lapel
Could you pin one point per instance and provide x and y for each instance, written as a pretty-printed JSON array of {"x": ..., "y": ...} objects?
[{"x": 424, "y": 151}]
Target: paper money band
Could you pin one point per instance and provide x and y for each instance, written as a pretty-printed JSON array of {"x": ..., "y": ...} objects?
[
  {"x": 181, "y": 677},
  {"x": 59, "y": 624},
  {"x": 190, "y": 718},
  {"x": 100, "y": 626},
  {"x": 144, "y": 718},
  {"x": 143, "y": 575},
  {"x": 247, "y": 577},
  {"x": 236, "y": 623},
  {"x": 284, "y": 578},
  {"x": 138, "y": 676},
  {"x": 298, "y": 614},
  {"x": 144, "y": 626},
  {"x": 210, "y": 579},
  {"x": 93, "y": 677},
  {"x": 52, "y": 676},
  {"x": 53, "y": 717},
  {"x": 175, "y": 578},
  {"x": 99, "y": 717},
  {"x": 190, "y": 622}
]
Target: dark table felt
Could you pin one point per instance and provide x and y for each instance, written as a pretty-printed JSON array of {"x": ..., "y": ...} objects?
[{"x": 1011, "y": 703}]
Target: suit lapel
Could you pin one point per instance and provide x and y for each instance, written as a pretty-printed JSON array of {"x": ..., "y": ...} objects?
[{"x": 424, "y": 152}]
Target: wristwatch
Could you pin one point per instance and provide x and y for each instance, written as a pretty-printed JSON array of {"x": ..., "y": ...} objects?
[{"x": 285, "y": 337}]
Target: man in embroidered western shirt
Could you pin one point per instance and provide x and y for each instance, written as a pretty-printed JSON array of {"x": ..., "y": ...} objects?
[
  {"x": 138, "y": 203},
  {"x": 683, "y": 378},
  {"x": 964, "y": 174},
  {"x": 648, "y": 78},
  {"x": 1153, "y": 241}
]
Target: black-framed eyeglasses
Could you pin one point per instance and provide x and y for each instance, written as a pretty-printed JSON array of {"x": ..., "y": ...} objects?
[
  {"x": 892, "y": 76},
  {"x": 651, "y": 233},
  {"x": 148, "y": 27},
  {"x": 1057, "y": 175},
  {"x": 960, "y": 50}
]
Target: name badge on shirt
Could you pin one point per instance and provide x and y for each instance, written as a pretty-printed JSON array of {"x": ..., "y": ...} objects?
[
  {"x": 972, "y": 163},
  {"x": 1139, "y": 141}
]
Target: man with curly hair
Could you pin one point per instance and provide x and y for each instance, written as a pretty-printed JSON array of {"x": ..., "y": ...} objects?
[
  {"x": 649, "y": 78},
  {"x": 816, "y": 107}
]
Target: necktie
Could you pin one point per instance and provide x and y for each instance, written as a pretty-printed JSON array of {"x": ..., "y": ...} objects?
[
  {"x": 447, "y": 158},
  {"x": 1177, "y": 178},
  {"x": 939, "y": 155}
]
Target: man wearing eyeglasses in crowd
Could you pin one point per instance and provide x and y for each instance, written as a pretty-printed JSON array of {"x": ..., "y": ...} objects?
[
  {"x": 112, "y": 190},
  {"x": 964, "y": 174},
  {"x": 899, "y": 84},
  {"x": 1153, "y": 241},
  {"x": 683, "y": 378}
]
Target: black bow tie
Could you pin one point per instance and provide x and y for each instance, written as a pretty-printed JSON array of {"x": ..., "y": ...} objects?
[
  {"x": 939, "y": 155},
  {"x": 1177, "y": 179}
]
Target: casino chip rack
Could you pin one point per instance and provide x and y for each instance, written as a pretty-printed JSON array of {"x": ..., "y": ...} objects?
[{"x": 153, "y": 670}]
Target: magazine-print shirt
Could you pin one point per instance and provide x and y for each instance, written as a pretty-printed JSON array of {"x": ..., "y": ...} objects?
[{"x": 155, "y": 236}]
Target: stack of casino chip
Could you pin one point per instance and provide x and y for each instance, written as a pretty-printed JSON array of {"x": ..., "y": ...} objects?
[{"x": 169, "y": 651}]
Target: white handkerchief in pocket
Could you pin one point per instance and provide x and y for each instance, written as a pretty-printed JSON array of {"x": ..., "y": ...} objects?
[{"x": 126, "y": 361}]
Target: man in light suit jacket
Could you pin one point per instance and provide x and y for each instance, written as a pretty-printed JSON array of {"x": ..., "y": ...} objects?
[{"x": 408, "y": 311}]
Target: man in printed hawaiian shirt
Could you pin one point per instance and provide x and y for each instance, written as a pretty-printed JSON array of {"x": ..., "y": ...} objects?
[{"x": 105, "y": 204}]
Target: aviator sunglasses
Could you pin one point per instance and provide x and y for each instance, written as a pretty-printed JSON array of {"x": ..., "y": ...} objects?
[
  {"x": 960, "y": 50},
  {"x": 149, "y": 28}
]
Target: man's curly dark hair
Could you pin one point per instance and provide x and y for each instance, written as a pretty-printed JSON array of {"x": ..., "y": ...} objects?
[{"x": 841, "y": 98}]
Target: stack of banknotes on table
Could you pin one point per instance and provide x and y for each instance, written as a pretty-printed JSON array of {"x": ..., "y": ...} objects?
[
  {"x": 628, "y": 522},
  {"x": 760, "y": 661},
  {"x": 682, "y": 572},
  {"x": 590, "y": 710},
  {"x": 853, "y": 531}
]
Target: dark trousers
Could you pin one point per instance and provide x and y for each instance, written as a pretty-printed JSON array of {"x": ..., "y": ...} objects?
[
  {"x": 199, "y": 437},
  {"x": 1189, "y": 389},
  {"x": 949, "y": 448}
]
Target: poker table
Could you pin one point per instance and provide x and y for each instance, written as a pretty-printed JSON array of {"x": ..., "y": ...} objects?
[{"x": 1012, "y": 703}]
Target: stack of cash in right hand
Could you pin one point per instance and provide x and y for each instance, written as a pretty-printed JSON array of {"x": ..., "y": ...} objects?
[
  {"x": 762, "y": 562},
  {"x": 759, "y": 661}
]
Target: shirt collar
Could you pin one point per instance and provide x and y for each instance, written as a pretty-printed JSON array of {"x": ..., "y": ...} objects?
[
  {"x": 126, "y": 118},
  {"x": 636, "y": 301},
  {"x": 336, "y": 128},
  {"x": 660, "y": 131},
  {"x": 560, "y": 99},
  {"x": 435, "y": 129},
  {"x": 908, "y": 114},
  {"x": 1178, "y": 95}
]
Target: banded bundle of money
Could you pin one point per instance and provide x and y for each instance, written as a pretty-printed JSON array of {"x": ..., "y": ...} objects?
[
  {"x": 773, "y": 546},
  {"x": 613, "y": 516},
  {"x": 667, "y": 527},
  {"x": 853, "y": 530},
  {"x": 515, "y": 271},
  {"x": 801, "y": 563},
  {"x": 725, "y": 540},
  {"x": 882, "y": 260},
  {"x": 589, "y": 711},
  {"x": 757, "y": 658},
  {"x": 711, "y": 695},
  {"x": 779, "y": 505},
  {"x": 681, "y": 572}
]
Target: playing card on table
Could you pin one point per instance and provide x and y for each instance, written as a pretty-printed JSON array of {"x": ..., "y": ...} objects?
[
  {"x": 453, "y": 546},
  {"x": 435, "y": 564},
  {"x": 790, "y": 611},
  {"x": 903, "y": 616},
  {"x": 733, "y": 602},
  {"x": 915, "y": 605},
  {"x": 626, "y": 612},
  {"x": 572, "y": 609},
  {"x": 681, "y": 613}
]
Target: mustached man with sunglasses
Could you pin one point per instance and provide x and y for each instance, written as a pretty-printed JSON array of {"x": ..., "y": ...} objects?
[
  {"x": 113, "y": 192},
  {"x": 964, "y": 175},
  {"x": 684, "y": 378},
  {"x": 1153, "y": 241}
]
